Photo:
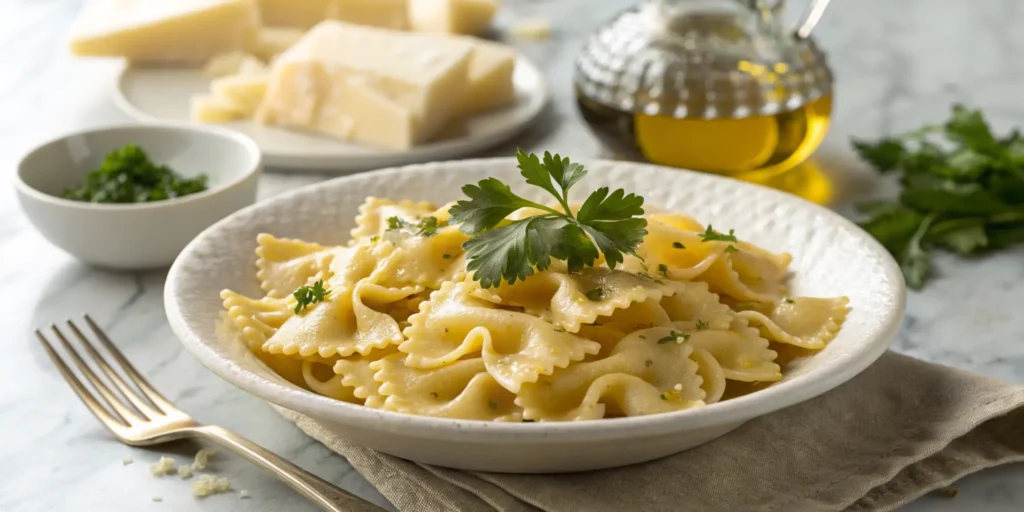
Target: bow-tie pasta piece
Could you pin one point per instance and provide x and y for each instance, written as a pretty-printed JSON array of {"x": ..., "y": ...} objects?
[
  {"x": 569, "y": 300},
  {"x": 516, "y": 347},
  {"x": 285, "y": 264},
  {"x": 805, "y": 322},
  {"x": 255, "y": 320},
  {"x": 640, "y": 376},
  {"x": 741, "y": 352},
  {"x": 348, "y": 379},
  {"x": 423, "y": 260},
  {"x": 676, "y": 247},
  {"x": 375, "y": 212},
  {"x": 712, "y": 378},
  {"x": 693, "y": 302},
  {"x": 355, "y": 263},
  {"x": 461, "y": 390},
  {"x": 641, "y": 315},
  {"x": 349, "y": 321}
]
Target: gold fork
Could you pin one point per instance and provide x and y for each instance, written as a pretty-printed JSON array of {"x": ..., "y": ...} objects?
[{"x": 154, "y": 420}]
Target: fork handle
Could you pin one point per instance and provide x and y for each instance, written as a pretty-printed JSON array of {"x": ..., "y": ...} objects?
[{"x": 323, "y": 493}]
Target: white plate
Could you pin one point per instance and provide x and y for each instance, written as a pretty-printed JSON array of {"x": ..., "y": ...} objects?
[
  {"x": 162, "y": 94},
  {"x": 831, "y": 256}
]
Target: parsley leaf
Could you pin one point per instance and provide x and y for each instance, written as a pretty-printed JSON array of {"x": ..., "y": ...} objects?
[
  {"x": 702, "y": 325},
  {"x": 595, "y": 294},
  {"x": 307, "y": 295},
  {"x": 963, "y": 190},
  {"x": 714, "y": 236},
  {"x": 607, "y": 223}
]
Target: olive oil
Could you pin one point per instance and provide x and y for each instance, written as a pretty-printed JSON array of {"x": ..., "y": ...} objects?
[
  {"x": 716, "y": 86},
  {"x": 756, "y": 148}
]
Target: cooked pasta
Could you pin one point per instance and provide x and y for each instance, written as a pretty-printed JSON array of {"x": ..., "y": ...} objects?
[{"x": 398, "y": 323}]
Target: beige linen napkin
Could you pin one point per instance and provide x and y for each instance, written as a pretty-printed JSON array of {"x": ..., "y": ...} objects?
[{"x": 900, "y": 429}]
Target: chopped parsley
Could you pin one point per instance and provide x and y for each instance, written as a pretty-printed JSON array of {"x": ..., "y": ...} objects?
[
  {"x": 675, "y": 336},
  {"x": 789, "y": 300},
  {"x": 595, "y": 294},
  {"x": 663, "y": 397},
  {"x": 307, "y": 295},
  {"x": 702, "y": 325},
  {"x": 714, "y": 236},
  {"x": 648, "y": 363},
  {"x": 492, "y": 404},
  {"x": 446, "y": 256},
  {"x": 426, "y": 227},
  {"x": 678, "y": 245},
  {"x": 731, "y": 248},
  {"x": 434, "y": 394},
  {"x": 127, "y": 175},
  {"x": 609, "y": 223},
  {"x": 663, "y": 269}
]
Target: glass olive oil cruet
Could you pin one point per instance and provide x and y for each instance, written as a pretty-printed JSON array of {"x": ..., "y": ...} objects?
[{"x": 711, "y": 85}]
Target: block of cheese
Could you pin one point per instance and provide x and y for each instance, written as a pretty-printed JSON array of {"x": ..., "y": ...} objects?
[
  {"x": 306, "y": 13},
  {"x": 207, "y": 108},
  {"x": 232, "y": 63},
  {"x": 490, "y": 77},
  {"x": 407, "y": 84},
  {"x": 275, "y": 40},
  {"x": 451, "y": 16},
  {"x": 165, "y": 31},
  {"x": 245, "y": 90}
]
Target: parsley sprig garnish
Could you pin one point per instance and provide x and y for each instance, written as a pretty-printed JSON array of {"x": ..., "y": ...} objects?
[
  {"x": 307, "y": 295},
  {"x": 607, "y": 223},
  {"x": 963, "y": 190}
]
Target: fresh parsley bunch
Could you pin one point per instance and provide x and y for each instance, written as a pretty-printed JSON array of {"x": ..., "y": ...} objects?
[
  {"x": 963, "y": 190},
  {"x": 607, "y": 223}
]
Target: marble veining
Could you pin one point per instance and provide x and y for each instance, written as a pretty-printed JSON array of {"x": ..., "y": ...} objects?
[{"x": 898, "y": 65}]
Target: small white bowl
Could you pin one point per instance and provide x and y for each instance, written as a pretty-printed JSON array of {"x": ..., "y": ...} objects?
[
  {"x": 831, "y": 257},
  {"x": 138, "y": 235}
]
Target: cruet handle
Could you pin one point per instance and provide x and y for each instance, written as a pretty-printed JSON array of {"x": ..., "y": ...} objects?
[
  {"x": 808, "y": 21},
  {"x": 810, "y": 18}
]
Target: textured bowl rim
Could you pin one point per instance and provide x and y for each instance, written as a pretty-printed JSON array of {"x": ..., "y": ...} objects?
[
  {"x": 255, "y": 164},
  {"x": 783, "y": 394}
]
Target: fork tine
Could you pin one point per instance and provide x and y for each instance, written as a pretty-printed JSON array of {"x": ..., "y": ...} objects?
[
  {"x": 126, "y": 414},
  {"x": 153, "y": 395},
  {"x": 143, "y": 408},
  {"x": 112, "y": 424}
]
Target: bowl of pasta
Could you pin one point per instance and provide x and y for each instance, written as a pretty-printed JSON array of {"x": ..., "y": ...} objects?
[{"x": 481, "y": 315}]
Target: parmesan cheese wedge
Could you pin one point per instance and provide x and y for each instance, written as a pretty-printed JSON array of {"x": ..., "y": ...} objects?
[
  {"x": 306, "y": 13},
  {"x": 375, "y": 86},
  {"x": 451, "y": 16},
  {"x": 165, "y": 31}
]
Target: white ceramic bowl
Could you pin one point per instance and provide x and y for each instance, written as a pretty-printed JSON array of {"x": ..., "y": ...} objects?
[
  {"x": 831, "y": 257},
  {"x": 139, "y": 235}
]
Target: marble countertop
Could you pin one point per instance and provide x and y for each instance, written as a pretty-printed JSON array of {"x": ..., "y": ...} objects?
[{"x": 899, "y": 64}]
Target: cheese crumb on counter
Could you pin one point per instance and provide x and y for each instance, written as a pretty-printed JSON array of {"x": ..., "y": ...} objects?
[
  {"x": 206, "y": 485},
  {"x": 243, "y": 494},
  {"x": 202, "y": 459},
  {"x": 164, "y": 466},
  {"x": 127, "y": 460},
  {"x": 537, "y": 29},
  {"x": 185, "y": 471},
  {"x": 158, "y": 499}
]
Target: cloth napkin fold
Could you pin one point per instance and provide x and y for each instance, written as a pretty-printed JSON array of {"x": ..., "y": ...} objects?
[{"x": 902, "y": 428}]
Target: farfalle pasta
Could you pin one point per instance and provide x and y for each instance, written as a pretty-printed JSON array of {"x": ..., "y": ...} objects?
[{"x": 397, "y": 321}]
